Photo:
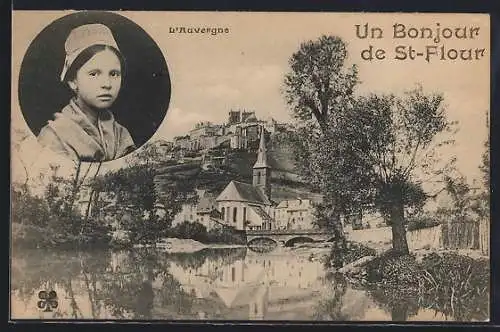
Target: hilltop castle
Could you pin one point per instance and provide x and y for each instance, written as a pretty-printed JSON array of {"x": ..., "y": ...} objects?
[{"x": 241, "y": 129}]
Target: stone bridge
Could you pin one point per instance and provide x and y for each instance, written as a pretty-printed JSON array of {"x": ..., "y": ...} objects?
[{"x": 285, "y": 237}]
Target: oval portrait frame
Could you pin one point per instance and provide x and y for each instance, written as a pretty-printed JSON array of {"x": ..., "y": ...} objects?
[{"x": 144, "y": 97}]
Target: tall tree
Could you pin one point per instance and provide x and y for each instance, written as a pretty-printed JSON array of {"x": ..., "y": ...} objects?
[
  {"x": 147, "y": 190},
  {"x": 132, "y": 186},
  {"x": 379, "y": 153},
  {"x": 483, "y": 198},
  {"x": 318, "y": 84},
  {"x": 318, "y": 89},
  {"x": 372, "y": 152},
  {"x": 481, "y": 191}
]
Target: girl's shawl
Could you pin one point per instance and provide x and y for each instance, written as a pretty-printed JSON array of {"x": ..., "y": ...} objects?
[{"x": 71, "y": 133}]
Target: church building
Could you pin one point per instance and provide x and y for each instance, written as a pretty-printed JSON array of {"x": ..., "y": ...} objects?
[{"x": 249, "y": 206}]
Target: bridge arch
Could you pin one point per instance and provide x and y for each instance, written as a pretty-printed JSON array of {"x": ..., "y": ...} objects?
[
  {"x": 290, "y": 242},
  {"x": 262, "y": 240},
  {"x": 285, "y": 237}
]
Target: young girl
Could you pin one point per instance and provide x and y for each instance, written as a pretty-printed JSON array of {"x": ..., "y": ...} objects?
[{"x": 85, "y": 129}]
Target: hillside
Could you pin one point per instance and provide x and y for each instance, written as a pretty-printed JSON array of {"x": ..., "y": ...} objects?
[{"x": 285, "y": 182}]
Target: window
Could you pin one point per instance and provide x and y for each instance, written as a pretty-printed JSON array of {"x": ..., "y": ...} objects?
[
  {"x": 258, "y": 177},
  {"x": 223, "y": 213},
  {"x": 235, "y": 213},
  {"x": 233, "y": 274},
  {"x": 244, "y": 214}
]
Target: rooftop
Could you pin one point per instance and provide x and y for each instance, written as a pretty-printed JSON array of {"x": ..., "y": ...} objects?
[{"x": 243, "y": 192}]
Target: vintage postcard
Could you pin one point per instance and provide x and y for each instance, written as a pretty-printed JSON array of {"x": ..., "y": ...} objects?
[{"x": 250, "y": 166}]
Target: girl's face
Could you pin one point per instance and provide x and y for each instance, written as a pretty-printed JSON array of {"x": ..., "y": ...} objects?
[{"x": 98, "y": 81}]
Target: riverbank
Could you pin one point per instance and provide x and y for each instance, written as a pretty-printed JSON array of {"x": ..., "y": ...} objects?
[
  {"x": 175, "y": 245},
  {"x": 371, "y": 249},
  {"x": 453, "y": 282}
]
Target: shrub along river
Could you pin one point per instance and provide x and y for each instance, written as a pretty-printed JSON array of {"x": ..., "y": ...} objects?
[{"x": 213, "y": 284}]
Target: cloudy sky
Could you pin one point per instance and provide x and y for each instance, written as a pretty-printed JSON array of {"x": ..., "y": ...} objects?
[{"x": 245, "y": 68}]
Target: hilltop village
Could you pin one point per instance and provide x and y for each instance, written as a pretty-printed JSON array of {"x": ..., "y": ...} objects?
[
  {"x": 249, "y": 205},
  {"x": 255, "y": 198},
  {"x": 240, "y": 205},
  {"x": 241, "y": 129}
]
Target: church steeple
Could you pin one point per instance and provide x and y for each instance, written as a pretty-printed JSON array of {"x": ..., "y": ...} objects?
[
  {"x": 261, "y": 168},
  {"x": 262, "y": 154}
]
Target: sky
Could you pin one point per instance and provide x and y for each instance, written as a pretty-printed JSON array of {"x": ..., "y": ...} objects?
[{"x": 245, "y": 68}]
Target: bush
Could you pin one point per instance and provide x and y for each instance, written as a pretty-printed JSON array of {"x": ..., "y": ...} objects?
[
  {"x": 227, "y": 235},
  {"x": 197, "y": 231},
  {"x": 420, "y": 223},
  {"x": 31, "y": 236},
  {"x": 190, "y": 230},
  {"x": 394, "y": 268},
  {"x": 95, "y": 234},
  {"x": 354, "y": 252},
  {"x": 462, "y": 273},
  {"x": 50, "y": 220},
  {"x": 457, "y": 285}
]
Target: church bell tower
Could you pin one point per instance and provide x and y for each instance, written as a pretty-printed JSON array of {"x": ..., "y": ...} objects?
[{"x": 261, "y": 168}]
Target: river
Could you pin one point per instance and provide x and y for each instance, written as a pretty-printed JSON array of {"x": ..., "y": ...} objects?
[{"x": 212, "y": 284}]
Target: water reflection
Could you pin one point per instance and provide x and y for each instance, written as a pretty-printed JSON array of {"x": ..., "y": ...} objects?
[{"x": 236, "y": 284}]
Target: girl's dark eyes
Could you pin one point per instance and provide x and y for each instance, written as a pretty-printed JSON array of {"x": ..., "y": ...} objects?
[{"x": 114, "y": 73}]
